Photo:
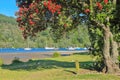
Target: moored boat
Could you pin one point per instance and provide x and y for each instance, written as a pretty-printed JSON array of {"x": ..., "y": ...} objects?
[
  {"x": 49, "y": 48},
  {"x": 27, "y": 48}
]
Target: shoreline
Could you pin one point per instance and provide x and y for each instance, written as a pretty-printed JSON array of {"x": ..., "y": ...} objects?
[{"x": 9, "y": 57}]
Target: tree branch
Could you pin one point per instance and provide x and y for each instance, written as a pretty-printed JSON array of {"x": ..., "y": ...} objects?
[{"x": 96, "y": 23}]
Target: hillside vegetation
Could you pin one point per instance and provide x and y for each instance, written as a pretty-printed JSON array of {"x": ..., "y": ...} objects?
[{"x": 11, "y": 36}]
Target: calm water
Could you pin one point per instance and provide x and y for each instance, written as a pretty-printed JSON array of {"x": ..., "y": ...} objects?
[{"x": 21, "y": 50}]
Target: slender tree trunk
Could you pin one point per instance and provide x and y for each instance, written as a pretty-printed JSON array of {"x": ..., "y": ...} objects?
[{"x": 111, "y": 66}]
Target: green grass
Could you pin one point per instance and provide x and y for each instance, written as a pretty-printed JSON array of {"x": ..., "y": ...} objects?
[{"x": 61, "y": 68}]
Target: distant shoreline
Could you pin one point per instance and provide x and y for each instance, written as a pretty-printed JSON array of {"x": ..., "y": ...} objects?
[{"x": 9, "y": 57}]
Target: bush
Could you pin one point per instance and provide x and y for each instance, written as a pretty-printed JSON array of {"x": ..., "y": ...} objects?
[
  {"x": 16, "y": 60},
  {"x": 30, "y": 60},
  {"x": 1, "y": 62},
  {"x": 56, "y": 54}
]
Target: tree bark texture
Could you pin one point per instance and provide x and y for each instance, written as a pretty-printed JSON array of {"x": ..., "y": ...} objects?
[
  {"x": 114, "y": 49},
  {"x": 111, "y": 66}
]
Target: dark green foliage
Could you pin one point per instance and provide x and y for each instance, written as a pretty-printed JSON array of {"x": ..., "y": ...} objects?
[
  {"x": 98, "y": 65},
  {"x": 96, "y": 38},
  {"x": 30, "y": 60},
  {"x": 25, "y": 2},
  {"x": 16, "y": 60},
  {"x": 56, "y": 54}
]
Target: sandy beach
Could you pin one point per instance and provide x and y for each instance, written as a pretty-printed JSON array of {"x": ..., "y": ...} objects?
[{"x": 9, "y": 57}]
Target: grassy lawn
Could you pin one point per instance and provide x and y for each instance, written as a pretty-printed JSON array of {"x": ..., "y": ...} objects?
[{"x": 61, "y": 68}]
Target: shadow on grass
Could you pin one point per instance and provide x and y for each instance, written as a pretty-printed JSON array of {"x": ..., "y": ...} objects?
[{"x": 45, "y": 64}]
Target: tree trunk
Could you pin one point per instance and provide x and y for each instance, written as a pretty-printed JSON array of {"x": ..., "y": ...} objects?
[
  {"x": 111, "y": 66},
  {"x": 114, "y": 48}
]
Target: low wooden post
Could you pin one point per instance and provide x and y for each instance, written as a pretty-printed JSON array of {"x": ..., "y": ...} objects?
[{"x": 77, "y": 66}]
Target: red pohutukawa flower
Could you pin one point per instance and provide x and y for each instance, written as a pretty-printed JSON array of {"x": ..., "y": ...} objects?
[
  {"x": 31, "y": 22},
  {"x": 87, "y": 11},
  {"x": 22, "y": 28},
  {"x": 53, "y": 7},
  {"x": 22, "y": 10},
  {"x": 36, "y": 10},
  {"x": 18, "y": 19},
  {"x": 31, "y": 16},
  {"x": 105, "y": 1},
  {"x": 59, "y": 12},
  {"x": 99, "y": 5}
]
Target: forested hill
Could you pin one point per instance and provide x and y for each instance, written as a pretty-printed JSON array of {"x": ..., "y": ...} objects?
[
  {"x": 6, "y": 19},
  {"x": 11, "y": 36},
  {"x": 9, "y": 32}
]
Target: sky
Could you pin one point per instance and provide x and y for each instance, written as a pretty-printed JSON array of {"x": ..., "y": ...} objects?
[{"x": 8, "y": 7}]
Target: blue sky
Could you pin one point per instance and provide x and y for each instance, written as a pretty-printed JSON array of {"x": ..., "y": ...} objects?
[{"x": 8, "y": 7}]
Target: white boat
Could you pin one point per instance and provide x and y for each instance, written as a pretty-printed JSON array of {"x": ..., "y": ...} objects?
[
  {"x": 77, "y": 48},
  {"x": 71, "y": 48},
  {"x": 85, "y": 48},
  {"x": 49, "y": 48},
  {"x": 27, "y": 48}
]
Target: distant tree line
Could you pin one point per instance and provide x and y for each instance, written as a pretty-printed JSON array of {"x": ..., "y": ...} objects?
[{"x": 11, "y": 36}]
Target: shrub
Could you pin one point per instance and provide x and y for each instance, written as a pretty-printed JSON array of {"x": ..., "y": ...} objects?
[
  {"x": 1, "y": 62},
  {"x": 16, "y": 60},
  {"x": 98, "y": 63},
  {"x": 30, "y": 60},
  {"x": 56, "y": 54}
]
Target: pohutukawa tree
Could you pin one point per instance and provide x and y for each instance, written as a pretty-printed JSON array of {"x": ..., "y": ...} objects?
[
  {"x": 64, "y": 15},
  {"x": 101, "y": 17},
  {"x": 33, "y": 15}
]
